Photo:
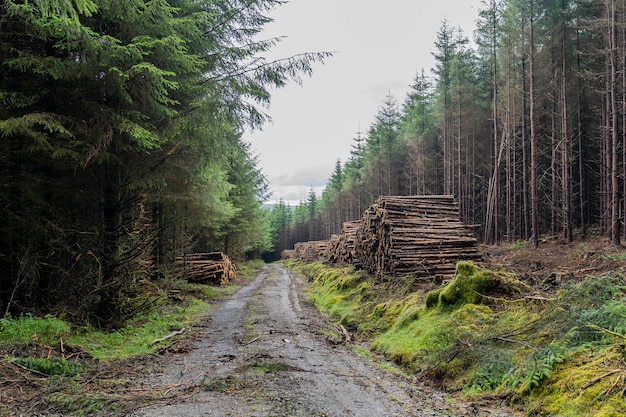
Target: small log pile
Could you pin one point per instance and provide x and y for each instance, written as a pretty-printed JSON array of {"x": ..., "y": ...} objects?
[
  {"x": 312, "y": 251},
  {"x": 419, "y": 235},
  {"x": 207, "y": 268},
  {"x": 288, "y": 254}
]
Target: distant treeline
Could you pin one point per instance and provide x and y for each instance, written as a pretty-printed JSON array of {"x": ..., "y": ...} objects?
[{"x": 525, "y": 126}]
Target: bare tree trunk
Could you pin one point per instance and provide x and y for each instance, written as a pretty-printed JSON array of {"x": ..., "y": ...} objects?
[
  {"x": 460, "y": 193},
  {"x": 605, "y": 183},
  {"x": 565, "y": 151},
  {"x": 553, "y": 168},
  {"x": 491, "y": 227},
  {"x": 510, "y": 167},
  {"x": 623, "y": 107},
  {"x": 581, "y": 178},
  {"x": 533, "y": 134},
  {"x": 614, "y": 168},
  {"x": 525, "y": 182}
]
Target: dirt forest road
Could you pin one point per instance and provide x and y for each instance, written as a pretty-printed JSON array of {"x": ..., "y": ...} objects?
[{"x": 265, "y": 351}]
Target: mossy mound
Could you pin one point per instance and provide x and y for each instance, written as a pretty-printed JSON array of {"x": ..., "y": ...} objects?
[{"x": 474, "y": 285}]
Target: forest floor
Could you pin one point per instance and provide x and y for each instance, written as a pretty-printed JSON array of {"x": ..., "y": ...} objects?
[
  {"x": 267, "y": 351},
  {"x": 554, "y": 262}
]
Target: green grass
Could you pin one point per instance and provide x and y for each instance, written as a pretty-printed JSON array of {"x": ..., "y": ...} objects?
[
  {"x": 188, "y": 305},
  {"x": 85, "y": 404},
  {"x": 30, "y": 329},
  {"x": 614, "y": 256},
  {"x": 135, "y": 338},
  {"x": 180, "y": 305}
]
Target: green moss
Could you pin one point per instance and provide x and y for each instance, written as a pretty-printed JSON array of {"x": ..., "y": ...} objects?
[
  {"x": 432, "y": 298},
  {"x": 472, "y": 285},
  {"x": 479, "y": 333},
  {"x": 474, "y": 317},
  {"x": 416, "y": 343},
  {"x": 468, "y": 286},
  {"x": 340, "y": 292},
  {"x": 395, "y": 313},
  {"x": 585, "y": 381}
]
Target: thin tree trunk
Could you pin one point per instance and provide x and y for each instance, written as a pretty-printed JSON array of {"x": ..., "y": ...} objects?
[
  {"x": 508, "y": 169},
  {"x": 581, "y": 178},
  {"x": 623, "y": 107},
  {"x": 533, "y": 134},
  {"x": 525, "y": 179},
  {"x": 615, "y": 227},
  {"x": 492, "y": 230},
  {"x": 565, "y": 151},
  {"x": 553, "y": 160}
]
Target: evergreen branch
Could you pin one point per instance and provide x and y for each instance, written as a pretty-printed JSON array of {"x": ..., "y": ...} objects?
[{"x": 294, "y": 64}]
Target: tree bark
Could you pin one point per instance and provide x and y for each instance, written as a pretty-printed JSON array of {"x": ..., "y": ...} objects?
[{"x": 533, "y": 134}]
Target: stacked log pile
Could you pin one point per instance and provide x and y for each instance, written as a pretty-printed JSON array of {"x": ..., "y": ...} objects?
[
  {"x": 298, "y": 248},
  {"x": 332, "y": 249},
  {"x": 341, "y": 247},
  {"x": 312, "y": 251},
  {"x": 207, "y": 268},
  {"x": 419, "y": 235}
]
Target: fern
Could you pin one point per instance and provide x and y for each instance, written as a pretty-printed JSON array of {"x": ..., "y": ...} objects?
[
  {"x": 492, "y": 374},
  {"x": 540, "y": 366}
]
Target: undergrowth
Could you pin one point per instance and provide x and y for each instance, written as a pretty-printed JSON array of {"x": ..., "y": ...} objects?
[
  {"x": 43, "y": 346},
  {"x": 484, "y": 333},
  {"x": 135, "y": 338}
]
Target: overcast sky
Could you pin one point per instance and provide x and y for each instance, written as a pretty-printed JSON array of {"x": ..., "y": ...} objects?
[{"x": 378, "y": 47}]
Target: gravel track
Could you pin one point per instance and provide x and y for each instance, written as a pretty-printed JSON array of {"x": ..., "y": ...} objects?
[{"x": 266, "y": 351}]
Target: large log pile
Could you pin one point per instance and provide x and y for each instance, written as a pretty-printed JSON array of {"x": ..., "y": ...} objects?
[
  {"x": 419, "y": 235},
  {"x": 207, "y": 268}
]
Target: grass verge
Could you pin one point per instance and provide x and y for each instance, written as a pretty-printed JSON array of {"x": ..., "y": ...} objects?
[{"x": 487, "y": 335}]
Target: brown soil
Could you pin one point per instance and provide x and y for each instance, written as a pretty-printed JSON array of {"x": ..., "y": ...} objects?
[
  {"x": 554, "y": 262},
  {"x": 266, "y": 351}
]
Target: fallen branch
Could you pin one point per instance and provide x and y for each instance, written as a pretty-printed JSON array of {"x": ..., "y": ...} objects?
[
  {"x": 599, "y": 378},
  {"x": 344, "y": 332},
  {"x": 607, "y": 331},
  {"x": 177, "y": 332},
  {"x": 505, "y": 339},
  {"x": 29, "y": 370},
  {"x": 253, "y": 340}
]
